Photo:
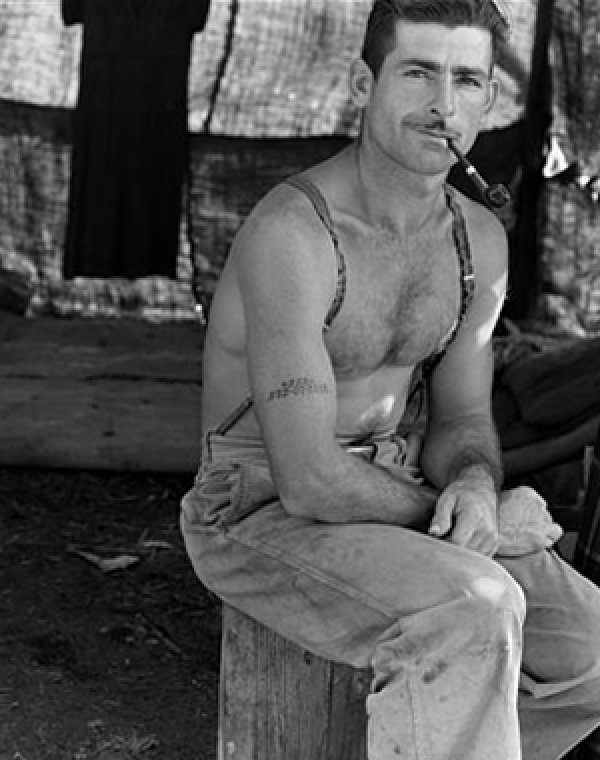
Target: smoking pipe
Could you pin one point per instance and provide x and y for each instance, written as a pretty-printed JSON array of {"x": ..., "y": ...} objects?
[{"x": 497, "y": 195}]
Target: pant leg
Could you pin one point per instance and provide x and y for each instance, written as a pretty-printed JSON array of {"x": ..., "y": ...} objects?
[
  {"x": 559, "y": 700},
  {"x": 439, "y": 625}
]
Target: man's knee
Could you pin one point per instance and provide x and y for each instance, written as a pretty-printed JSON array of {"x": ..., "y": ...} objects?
[
  {"x": 585, "y": 652},
  {"x": 491, "y": 589},
  {"x": 484, "y": 612},
  {"x": 573, "y": 626},
  {"x": 490, "y": 618}
]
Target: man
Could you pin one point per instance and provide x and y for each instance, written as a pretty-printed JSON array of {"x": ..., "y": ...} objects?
[{"x": 309, "y": 513}]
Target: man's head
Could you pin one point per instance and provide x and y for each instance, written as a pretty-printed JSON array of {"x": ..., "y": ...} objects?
[
  {"x": 380, "y": 35},
  {"x": 426, "y": 76}
]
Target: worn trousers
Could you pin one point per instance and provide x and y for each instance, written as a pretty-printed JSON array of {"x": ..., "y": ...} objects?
[{"x": 473, "y": 658}]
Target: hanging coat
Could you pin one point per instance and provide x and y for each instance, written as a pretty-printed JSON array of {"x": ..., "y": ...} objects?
[{"x": 129, "y": 135}]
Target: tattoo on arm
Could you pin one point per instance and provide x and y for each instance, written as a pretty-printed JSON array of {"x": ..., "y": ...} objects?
[{"x": 298, "y": 386}]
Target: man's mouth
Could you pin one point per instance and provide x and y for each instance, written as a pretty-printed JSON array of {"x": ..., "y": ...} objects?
[{"x": 443, "y": 133}]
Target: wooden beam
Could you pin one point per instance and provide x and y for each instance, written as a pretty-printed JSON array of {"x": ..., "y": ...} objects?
[{"x": 106, "y": 394}]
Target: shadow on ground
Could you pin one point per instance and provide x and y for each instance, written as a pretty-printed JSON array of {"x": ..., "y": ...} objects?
[{"x": 109, "y": 645}]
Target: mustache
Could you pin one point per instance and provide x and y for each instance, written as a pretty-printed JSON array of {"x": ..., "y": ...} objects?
[{"x": 439, "y": 127}]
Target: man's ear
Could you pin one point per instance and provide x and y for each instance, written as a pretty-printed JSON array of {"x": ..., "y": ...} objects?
[
  {"x": 361, "y": 83},
  {"x": 492, "y": 95}
]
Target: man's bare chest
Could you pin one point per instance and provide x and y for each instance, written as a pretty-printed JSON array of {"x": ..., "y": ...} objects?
[{"x": 400, "y": 305}]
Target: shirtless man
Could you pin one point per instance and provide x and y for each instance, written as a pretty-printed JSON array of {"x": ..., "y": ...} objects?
[{"x": 309, "y": 512}]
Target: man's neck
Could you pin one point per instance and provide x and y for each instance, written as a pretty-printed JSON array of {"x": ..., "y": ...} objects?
[{"x": 389, "y": 191}]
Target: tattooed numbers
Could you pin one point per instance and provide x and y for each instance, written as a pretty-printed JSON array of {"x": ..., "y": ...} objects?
[{"x": 298, "y": 386}]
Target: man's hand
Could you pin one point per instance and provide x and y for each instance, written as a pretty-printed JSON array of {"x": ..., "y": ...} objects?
[
  {"x": 524, "y": 523},
  {"x": 465, "y": 514}
]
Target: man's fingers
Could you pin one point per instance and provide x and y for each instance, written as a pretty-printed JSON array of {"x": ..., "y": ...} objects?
[
  {"x": 484, "y": 542},
  {"x": 463, "y": 532},
  {"x": 459, "y": 518},
  {"x": 441, "y": 522}
]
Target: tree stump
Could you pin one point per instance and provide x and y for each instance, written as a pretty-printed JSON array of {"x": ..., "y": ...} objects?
[{"x": 278, "y": 701}]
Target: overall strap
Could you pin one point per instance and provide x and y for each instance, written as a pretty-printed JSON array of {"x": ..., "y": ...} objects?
[
  {"x": 465, "y": 259},
  {"x": 467, "y": 276},
  {"x": 235, "y": 416},
  {"x": 319, "y": 203}
]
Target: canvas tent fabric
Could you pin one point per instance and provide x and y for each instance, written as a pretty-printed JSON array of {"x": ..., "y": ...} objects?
[
  {"x": 34, "y": 182},
  {"x": 260, "y": 68},
  {"x": 266, "y": 91},
  {"x": 587, "y": 549},
  {"x": 569, "y": 218}
]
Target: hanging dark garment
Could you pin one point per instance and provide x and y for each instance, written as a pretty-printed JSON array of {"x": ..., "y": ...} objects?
[{"x": 129, "y": 135}]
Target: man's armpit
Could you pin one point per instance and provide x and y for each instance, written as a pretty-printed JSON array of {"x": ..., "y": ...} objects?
[{"x": 298, "y": 386}]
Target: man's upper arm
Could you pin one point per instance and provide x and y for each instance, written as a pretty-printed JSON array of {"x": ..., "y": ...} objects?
[
  {"x": 461, "y": 384},
  {"x": 285, "y": 278}
]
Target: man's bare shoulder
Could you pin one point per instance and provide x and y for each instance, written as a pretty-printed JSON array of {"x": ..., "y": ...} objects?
[
  {"x": 282, "y": 255},
  {"x": 282, "y": 228}
]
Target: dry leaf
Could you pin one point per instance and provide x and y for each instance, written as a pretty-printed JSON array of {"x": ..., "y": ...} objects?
[
  {"x": 108, "y": 564},
  {"x": 155, "y": 545}
]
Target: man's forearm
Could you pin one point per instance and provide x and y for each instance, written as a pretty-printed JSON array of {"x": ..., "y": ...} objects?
[
  {"x": 466, "y": 447},
  {"x": 360, "y": 491}
]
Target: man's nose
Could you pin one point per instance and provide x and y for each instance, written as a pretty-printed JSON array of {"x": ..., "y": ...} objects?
[{"x": 443, "y": 98}]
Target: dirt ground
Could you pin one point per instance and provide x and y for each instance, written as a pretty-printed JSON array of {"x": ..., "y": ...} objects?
[{"x": 109, "y": 645}]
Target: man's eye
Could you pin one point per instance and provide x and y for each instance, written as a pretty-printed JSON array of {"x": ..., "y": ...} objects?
[
  {"x": 468, "y": 81},
  {"x": 416, "y": 73}
]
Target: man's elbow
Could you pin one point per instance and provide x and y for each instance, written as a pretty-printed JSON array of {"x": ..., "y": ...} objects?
[
  {"x": 300, "y": 503},
  {"x": 432, "y": 468},
  {"x": 304, "y": 494}
]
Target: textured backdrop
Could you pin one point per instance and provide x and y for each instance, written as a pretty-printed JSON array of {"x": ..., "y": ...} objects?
[{"x": 268, "y": 69}]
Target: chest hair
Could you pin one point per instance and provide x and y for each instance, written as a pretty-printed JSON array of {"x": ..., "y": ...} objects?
[{"x": 401, "y": 302}]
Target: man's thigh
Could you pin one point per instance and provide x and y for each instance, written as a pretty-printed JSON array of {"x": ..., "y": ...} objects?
[
  {"x": 562, "y": 626},
  {"x": 335, "y": 588}
]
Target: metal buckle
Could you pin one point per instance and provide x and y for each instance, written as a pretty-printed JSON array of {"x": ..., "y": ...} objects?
[{"x": 366, "y": 451}]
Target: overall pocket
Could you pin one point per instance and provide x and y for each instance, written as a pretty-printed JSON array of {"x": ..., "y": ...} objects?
[{"x": 224, "y": 494}]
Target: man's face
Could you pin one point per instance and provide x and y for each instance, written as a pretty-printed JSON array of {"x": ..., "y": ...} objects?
[{"x": 435, "y": 83}]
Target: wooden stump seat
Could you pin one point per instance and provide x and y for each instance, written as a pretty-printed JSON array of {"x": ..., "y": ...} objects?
[{"x": 279, "y": 702}]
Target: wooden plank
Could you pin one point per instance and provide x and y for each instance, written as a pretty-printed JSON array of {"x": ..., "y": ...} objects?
[
  {"x": 117, "y": 395},
  {"x": 347, "y": 713},
  {"x": 278, "y": 701}
]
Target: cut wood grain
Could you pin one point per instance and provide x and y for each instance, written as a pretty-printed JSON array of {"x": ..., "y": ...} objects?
[{"x": 280, "y": 702}]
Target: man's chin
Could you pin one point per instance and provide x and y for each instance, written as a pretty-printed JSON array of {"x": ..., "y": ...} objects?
[
  {"x": 432, "y": 156},
  {"x": 434, "y": 166}
]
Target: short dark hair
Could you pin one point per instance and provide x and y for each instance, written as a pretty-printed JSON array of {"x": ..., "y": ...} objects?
[{"x": 380, "y": 34}]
